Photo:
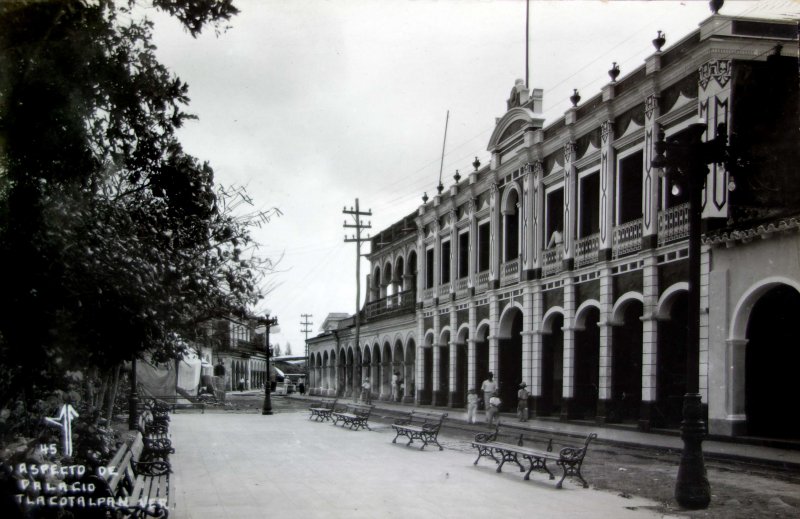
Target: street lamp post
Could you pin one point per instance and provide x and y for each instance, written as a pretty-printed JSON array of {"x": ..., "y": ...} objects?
[
  {"x": 268, "y": 323},
  {"x": 685, "y": 158}
]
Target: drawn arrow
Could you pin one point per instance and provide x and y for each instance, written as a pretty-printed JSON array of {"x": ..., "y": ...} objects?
[{"x": 64, "y": 421}]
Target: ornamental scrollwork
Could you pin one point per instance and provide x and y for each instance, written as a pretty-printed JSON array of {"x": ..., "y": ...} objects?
[
  {"x": 650, "y": 105},
  {"x": 569, "y": 151},
  {"x": 606, "y": 131},
  {"x": 719, "y": 71}
]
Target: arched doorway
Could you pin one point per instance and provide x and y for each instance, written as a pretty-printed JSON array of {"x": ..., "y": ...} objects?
[
  {"x": 509, "y": 360},
  {"x": 587, "y": 364},
  {"x": 626, "y": 364},
  {"x": 399, "y": 369},
  {"x": 552, "y": 366},
  {"x": 349, "y": 371},
  {"x": 375, "y": 371},
  {"x": 671, "y": 363},
  {"x": 386, "y": 372},
  {"x": 772, "y": 355},
  {"x": 366, "y": 371},
  {"x": 462, "y": 365},
  {"x": 409, "y": 386},
  {"x": 481, "y": 356},
  {"x": 426, "y": 394},
  {"x": 442, "y": 392}
]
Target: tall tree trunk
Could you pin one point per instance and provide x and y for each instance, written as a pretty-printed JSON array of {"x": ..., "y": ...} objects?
[
  {"x": 112, "y": 397},
  {"x": 101, "y": 395}
]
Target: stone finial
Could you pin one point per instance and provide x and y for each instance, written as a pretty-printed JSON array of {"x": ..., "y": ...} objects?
[
  {"x": 659, "y": 41},
  {"x": 575, "y": 98},
  {"x": 614, "y": 72}
]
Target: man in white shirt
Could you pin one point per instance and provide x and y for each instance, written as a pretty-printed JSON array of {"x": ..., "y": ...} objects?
[{"x": 488, "y": 388}]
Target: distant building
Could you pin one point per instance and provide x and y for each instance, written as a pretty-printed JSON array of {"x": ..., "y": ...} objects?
[
  {"x": 562, "y": 262},
  {"x": 233, "y": 344}
]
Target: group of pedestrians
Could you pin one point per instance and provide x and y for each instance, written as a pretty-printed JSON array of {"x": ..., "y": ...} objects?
[
  {"x": 491, "y": 401},
  {"x": 491, "y": 398},
  {"x": 397, "y": 388}
]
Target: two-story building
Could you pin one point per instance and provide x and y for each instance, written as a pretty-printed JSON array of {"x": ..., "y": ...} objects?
[{"x": 562, "y": 263}]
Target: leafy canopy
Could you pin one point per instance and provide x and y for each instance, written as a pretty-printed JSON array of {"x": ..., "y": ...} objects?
[{"x": 113, "y": 240}]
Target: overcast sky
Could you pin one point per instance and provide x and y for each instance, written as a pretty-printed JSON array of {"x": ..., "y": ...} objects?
[{"x": 311, "y": 104}]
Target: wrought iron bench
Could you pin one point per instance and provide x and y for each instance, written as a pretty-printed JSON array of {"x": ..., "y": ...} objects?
[
  {"x": 354, "y": 415},
  {"x": 155, "y": 437},
  {"x": 135, "y": 488},
  {"x": 420, "y": 425},
  {"x": 510, "y": 443},
  {"x": 321, "y": 410}
]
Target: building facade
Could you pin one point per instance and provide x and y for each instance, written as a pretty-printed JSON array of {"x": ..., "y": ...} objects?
[{"x": 563, "y": 262}]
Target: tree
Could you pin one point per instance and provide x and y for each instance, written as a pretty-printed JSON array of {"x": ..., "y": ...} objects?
[
  {"x": 288, "y": 348},
  {"x": 276, "y": 350},
  {"x": 114, "y": 241}
]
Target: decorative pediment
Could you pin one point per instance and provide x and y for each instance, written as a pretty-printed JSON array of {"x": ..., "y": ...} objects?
[{"x": 514, "y": 122}]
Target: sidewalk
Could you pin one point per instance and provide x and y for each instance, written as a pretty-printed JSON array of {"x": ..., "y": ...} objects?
[
  {"x": 246, "y": 465},
  {"x": 727, "y": 450}
]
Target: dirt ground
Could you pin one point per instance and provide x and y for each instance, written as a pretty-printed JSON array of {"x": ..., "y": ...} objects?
[{"x": 738, "y": 490}]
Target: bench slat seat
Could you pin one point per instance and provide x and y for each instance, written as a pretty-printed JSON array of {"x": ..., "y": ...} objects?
[
  {"x": 321, "y": 411},
  {"x": 569, "y": 458},
  {"x": 419, "y": 425},
  {"x": 354, "y": 415},
  {"x": 144, "y": 485}
]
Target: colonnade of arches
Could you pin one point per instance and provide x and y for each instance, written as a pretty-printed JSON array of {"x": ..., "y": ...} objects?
[
  {"x": 394, "y": 276},
  {"x": 253, "y": 371},
  {"x": 612, "y": 363},
  {"x": 342, "y": 371}
]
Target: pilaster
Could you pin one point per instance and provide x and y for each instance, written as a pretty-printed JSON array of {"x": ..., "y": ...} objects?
[
  {"x": 714, "y": 106},
  {"x": 650, "y": 175},
  {"x": 607, "y": 187},
  {"x": 570, "y": 204},
  {"x": 494, "y": 237}
]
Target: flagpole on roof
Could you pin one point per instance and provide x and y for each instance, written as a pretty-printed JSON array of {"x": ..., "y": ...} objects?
[{"x": 527, "y": 32}]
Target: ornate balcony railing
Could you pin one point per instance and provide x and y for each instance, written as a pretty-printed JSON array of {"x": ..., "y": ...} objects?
[
  {"x": 482, "y": 281},
  {"x": 444, "y": 290},
  {"x": 509, "y": 272},
  {"x": 673, "y": 224},
  {"x": 395, "y": 303},
  {"x": 427, "y": 294},
  {"x": 552, "y": 260},
  {"x": 462, "y": 284},
  {"x": 627, "y": 238},
  {"x": 586, "y": 250}
]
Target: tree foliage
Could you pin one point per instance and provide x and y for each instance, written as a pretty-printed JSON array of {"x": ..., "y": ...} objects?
[{"x": 113, "y": 240}]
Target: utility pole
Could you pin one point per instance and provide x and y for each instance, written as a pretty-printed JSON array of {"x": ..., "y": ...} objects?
[
  {"x": 359, "y": 225},
  {"x": 306, "y": 324}
]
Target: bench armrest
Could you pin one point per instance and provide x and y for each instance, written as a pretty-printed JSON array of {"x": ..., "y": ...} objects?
[
  {"x": 485, "y": 437},
  {"x": 152, "y": 468},
  {"x": 572, "y": 453}
]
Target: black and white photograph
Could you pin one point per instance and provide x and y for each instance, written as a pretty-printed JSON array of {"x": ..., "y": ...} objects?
[{"x": 399, "y": 258}]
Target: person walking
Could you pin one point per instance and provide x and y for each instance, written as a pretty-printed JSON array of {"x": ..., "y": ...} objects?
[
  {"x": 472, "y": 405},
  {"x": 395, "y": 377},
  {"x": 241, "y": 384},
  {"x": 488, "y": 387},
  {"x": 366, "y": 394},
  {"x": 493, "y": 409},
  {"x": 522, "y": 404}
]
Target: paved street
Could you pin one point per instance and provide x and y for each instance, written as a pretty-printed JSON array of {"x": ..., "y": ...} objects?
[{"x": 245, "y": 465}]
